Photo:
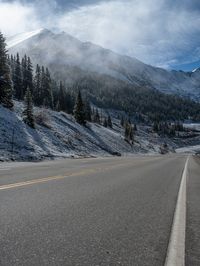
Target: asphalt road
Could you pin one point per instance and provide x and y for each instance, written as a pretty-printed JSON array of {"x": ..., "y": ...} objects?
[
  {"x": 193, "y": 214},
  {"x": 111, "y": 211}
]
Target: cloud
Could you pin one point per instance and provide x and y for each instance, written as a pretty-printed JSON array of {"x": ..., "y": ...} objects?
[
  {"x": 16, "y": 18},
  {"x": 158, "y": 32},
  {"x": 152, "y": 31}
]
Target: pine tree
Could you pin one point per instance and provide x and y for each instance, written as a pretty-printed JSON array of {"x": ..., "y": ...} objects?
[
  {"x": 55, "y": 91},
  {"x": 29, "y": 74},
  {"x": 70, "y": 102},
  {"x": 88, "y": 111},
  {"x": 48, "y": 96},
  {"x": 135, "y": 127},
  {"x": 126, "y": 132},
  {"x": 5, "y": 78},
  {"x": 62, "y": 98},
  {"x": 37, "y": 86},
  {"x": 96, "y": 116},
  {"x": 24, "y": 74},
  {"x": 109, "y": 121},
  {"x": 156, "y": 127},
  {"x": 43, "y": 84},
  {"x": 105, "y": 122},
  {"x": 122, "y": 121},
  {"x": 17, "y": 79},
  {"x": 101, "y": 116},
  {"x": 57, "y": 106},
  {"x": 79, "y": 113},
  {"x": 12, "y": 64},
  {"x": 131, "y": 134},
  {"x": 28, "y": 116}
]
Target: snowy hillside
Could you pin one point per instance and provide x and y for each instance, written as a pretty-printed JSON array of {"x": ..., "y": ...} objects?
[
  {"x": 61, "y": 52},
  {"x": 58, "y": 135}
]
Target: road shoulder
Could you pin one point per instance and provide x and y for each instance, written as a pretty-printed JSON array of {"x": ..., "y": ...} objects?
[{"x": 193, "y": 214}]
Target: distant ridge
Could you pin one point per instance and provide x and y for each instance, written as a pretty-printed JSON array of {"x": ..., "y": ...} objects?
[{"x": 63, "y": 52}]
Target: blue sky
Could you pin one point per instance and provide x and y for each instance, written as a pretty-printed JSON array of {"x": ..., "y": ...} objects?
[{"x": 163, "y": 33}]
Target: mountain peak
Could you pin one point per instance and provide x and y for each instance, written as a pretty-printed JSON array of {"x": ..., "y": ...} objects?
[
  {"x": 14, "y": 40},
  {"x": 62, "y": 52},
  {"x": 196, "y": 70}
]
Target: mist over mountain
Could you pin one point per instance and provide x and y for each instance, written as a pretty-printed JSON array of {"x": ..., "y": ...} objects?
[
  {"x": 95, "y": 86},
  {"x": 63, "y": 53}
]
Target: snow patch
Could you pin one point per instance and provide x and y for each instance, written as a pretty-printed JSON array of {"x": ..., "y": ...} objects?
[
  {"x": 22, "y": 37},
  {"x": 189, "y": 149}
]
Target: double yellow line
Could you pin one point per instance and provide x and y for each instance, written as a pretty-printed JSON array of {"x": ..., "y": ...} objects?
[
  {"x": 45, "y": 179},
  {"x": 59, "y": 177}
]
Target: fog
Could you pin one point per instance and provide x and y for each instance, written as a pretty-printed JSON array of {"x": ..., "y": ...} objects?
[{"x": 157, "y": 32}]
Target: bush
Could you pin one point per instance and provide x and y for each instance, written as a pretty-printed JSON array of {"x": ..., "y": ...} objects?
[{"x": 42, "y": 119}]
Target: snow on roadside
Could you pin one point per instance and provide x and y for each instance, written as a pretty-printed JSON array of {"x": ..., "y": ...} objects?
[
  {"x": 195, "y": 126},
  {"x": 189, "y": 149},
  {"x": 61, "y": 137}
]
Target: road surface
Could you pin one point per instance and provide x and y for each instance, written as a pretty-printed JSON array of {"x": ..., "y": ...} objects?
[
  {"x": 193, "y": 214},
  {"x": 106, "y": 211}
]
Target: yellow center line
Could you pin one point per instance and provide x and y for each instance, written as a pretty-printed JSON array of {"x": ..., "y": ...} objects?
[
  {"x": 59, "y": 177},
  {"x": 51, "y": 178}
]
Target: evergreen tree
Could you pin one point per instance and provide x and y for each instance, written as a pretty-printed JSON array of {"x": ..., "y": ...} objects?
[
  {"x": 24, "y": 74},
  {"x": 126, "y": 132},
  {"x": 79, "y": 113},
  {"x": 101, "y": 116},
  {"x": 135, "y": 127},
  {"x": 17, "y": 79},
  {"x": 48, "y": 96},
  {"x": 93, "y": 113},
  {"x": 28, "y": 116},
  {"x": 122, "y": 121},
  {"x": 109, "y": 121},
  {"x": 55, "y": 91},
  {"x": 57, "y": 106},
  {"x": 62, "y": 98},
  {"x": 155, "y": 127},
  {"x": 11, "y": 60},
  {"x": 29, "y": 74},
  {"x": 70, "y": 102},
  {"x": 43, "y": 85},
  {"x": 5, "y": 78},
  {"x": 131, "y": 134},
  {"x": 88, "y": 111},
  {"x": 96, "y": 116},
  {"x": 37, "y": 86},
  {"x": 105, "y": 122}
]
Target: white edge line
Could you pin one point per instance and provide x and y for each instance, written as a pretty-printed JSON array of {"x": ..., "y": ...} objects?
[{"x": 176, "y": 247}]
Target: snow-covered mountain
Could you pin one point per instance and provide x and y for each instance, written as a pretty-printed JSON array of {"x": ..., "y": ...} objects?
[
  {"x": 17, "y": 39},
  {"x": 64, "y": 53}
]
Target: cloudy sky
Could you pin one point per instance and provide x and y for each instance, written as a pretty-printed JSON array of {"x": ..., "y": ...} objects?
[{"x": 163, "y": 33}]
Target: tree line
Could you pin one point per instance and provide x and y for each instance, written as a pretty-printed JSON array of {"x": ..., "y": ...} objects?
[
  {"x": 18, "y": 80},
  {"x": 44, "y": 89},
  {"x": 106, "y": 91}
]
